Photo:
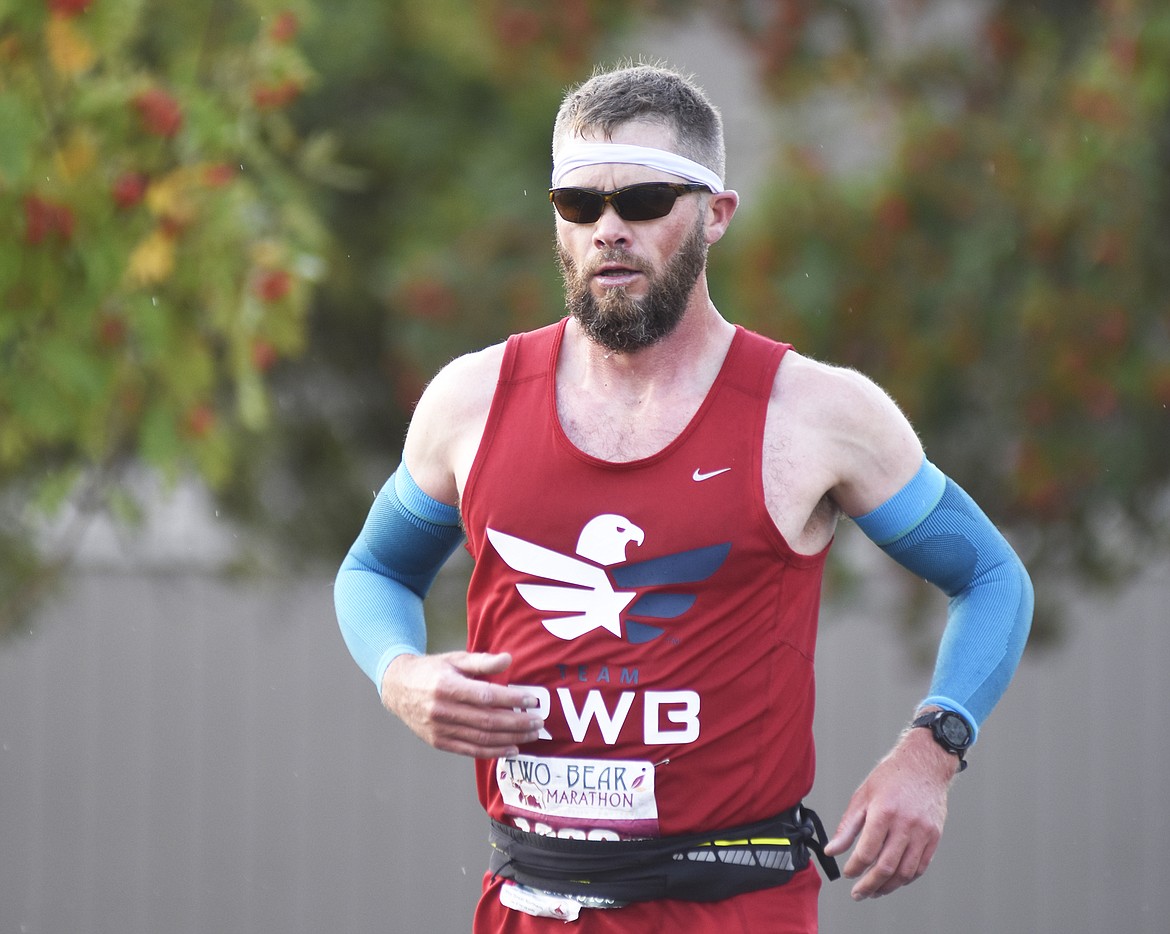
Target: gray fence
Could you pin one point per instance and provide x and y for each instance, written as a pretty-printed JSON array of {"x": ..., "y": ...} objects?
[{"x": 179, "y": 754}]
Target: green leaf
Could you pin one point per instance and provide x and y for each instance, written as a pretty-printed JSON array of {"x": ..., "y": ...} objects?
[
  {"x": 158, "y": 441},
  {"x": 21, "y": 126}
]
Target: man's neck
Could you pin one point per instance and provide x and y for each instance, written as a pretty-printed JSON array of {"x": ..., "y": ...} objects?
[
  {"x": 622, "y": 407},
  {"x": 686, "y": 359}
]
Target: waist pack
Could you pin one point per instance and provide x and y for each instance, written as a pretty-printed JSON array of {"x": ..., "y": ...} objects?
[{"x": 700, "y": 867}]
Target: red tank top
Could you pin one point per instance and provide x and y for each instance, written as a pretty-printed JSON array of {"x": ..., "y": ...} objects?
[{"x": 652, "y": 606}]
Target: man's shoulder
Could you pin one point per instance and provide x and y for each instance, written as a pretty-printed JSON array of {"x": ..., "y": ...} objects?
[
  {"x": 449, "y": 420},
  {"x": 848, "y": 430},
  {"x": 807, "y": 383},
  {"x": 479, "y": 365},
  {"x": 478, "y": 372}
]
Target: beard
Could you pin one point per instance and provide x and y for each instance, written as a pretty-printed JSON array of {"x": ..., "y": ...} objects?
[{"x": 620, "y": 323}]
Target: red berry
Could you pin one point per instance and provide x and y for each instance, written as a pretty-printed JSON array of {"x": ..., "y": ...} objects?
[
  {"x": 129, "y": 188},
  {"x": 264, "y": 355},
  {"x": 111, "y": 330},
  {"x": 218, "y": 175},
  {"x": 285, "y": 28},
  {"x": 275, "y": 96},
  {"x": 200, "y": 420},
  {"x": 172, "y": 226},
  {"x": 69, "y": 7},
  {"x": 273, "y": 285},
  {"x": 159, "y": 112},
  {"x": 43, "y": 217},
  {"x": 37, "y": 220}
]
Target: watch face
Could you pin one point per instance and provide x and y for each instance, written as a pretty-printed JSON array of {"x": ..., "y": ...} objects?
[{"x": 955, "y": 731}]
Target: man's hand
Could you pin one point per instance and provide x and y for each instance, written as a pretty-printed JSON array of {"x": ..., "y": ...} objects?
[
  {"x": 896, "y": 817},
  {"x": 442, "y": 699}
]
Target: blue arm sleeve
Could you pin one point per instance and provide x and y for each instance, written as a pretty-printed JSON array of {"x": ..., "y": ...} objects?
[
  {"x": 379, "y": 590},
  {"x": 934, "y": 529}
]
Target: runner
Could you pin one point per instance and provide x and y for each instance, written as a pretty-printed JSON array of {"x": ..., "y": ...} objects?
[{"x": 650, "y": 493}]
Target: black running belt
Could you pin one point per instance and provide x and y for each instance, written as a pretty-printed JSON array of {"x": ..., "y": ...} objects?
[{"x": 701, "y": 867}]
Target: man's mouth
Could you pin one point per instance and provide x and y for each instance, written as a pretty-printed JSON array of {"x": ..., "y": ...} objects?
[{"x": 616, "y": 274}]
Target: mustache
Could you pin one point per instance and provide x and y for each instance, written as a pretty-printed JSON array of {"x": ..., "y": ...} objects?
[{"x": 613, "y": 257}]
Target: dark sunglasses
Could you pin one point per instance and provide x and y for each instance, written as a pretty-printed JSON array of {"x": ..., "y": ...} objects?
[{"x": 643, "y": 202}]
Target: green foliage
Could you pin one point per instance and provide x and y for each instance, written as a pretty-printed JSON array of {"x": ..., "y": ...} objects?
[
  {"x": 1003, "y": 273},
  {"x": 156, "y": 245},
  {"x": 173, "y": 180},
  {"x": 442, "y": 114}
]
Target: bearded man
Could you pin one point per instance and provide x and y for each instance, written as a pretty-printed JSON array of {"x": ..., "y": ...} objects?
[{"x": 650, "y": 493}]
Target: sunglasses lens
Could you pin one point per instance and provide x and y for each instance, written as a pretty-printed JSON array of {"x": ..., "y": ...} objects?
[
  {"x": 645, "y": 202},
  {"x": 578, "y": 205}
]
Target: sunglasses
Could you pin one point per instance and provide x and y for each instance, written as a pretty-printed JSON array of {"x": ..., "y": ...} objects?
[{"x": 643, "y": 202}]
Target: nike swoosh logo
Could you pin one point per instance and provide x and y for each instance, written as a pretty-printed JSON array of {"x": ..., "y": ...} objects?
[{"x": 699, "y": 476}]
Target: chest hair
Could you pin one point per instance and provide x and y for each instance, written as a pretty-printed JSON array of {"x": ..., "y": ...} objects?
[{"x": 620, "y": 432}]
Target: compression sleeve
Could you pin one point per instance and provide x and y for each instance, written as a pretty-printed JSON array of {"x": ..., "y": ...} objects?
[
  {"x": 934, "y": 529},
  {"x": 379, "y": 590}
]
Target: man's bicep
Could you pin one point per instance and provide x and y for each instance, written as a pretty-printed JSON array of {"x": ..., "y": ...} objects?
[
  {"x": 429, "y": 442},
  {"x": 873, "y": 446},
  {"x": 448, "y": 423}
]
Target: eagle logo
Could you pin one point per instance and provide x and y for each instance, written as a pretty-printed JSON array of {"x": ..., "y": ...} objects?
[{"x": 594, "y": 590}]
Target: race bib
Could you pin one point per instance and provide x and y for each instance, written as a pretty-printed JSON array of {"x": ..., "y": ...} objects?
[{"x": 585, "y": 799}]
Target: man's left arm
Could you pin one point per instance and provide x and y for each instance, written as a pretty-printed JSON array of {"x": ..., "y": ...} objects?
[{"x": 933, "y": 528}]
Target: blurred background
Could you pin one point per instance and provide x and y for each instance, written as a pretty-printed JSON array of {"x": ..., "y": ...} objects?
[{"x": 238, "y": 236}]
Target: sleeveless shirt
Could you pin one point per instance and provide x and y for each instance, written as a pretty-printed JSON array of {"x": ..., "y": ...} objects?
[{"x": 656, "y": 613}]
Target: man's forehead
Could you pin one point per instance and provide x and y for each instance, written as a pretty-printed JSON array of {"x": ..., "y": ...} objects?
[{"x": 641, "y": 132}]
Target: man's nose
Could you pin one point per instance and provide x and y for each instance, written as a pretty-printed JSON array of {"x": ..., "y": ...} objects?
[{"x": 610, "y": 230}]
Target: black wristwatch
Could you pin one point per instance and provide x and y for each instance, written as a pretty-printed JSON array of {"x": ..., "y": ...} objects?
[{"x": 950, "y": 731}]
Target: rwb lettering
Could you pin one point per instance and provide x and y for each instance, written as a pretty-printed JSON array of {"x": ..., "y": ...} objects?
[
  {"x": 594, "y": 708},
  {"x": 668, "y": 702},
  {"x": 667, "y": 716},
  {"x": 543, "y": 705}
]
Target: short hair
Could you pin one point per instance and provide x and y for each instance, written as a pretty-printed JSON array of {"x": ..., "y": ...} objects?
[{"x": 658, "y": 93}]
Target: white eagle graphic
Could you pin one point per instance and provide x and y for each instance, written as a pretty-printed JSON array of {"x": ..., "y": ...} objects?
[{"x": 585, "y": 591}]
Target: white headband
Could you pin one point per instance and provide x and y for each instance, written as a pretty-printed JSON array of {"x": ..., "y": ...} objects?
[{"x": 577, "y": 154}]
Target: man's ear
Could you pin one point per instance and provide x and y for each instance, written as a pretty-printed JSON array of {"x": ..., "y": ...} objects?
[{"x": 720, "y": 209}]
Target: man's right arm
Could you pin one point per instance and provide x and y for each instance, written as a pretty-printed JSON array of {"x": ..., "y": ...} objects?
[{"x": 412, "y": 529}]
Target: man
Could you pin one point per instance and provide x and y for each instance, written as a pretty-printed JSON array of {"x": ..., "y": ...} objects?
[{"x": 650, "y": 493}]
